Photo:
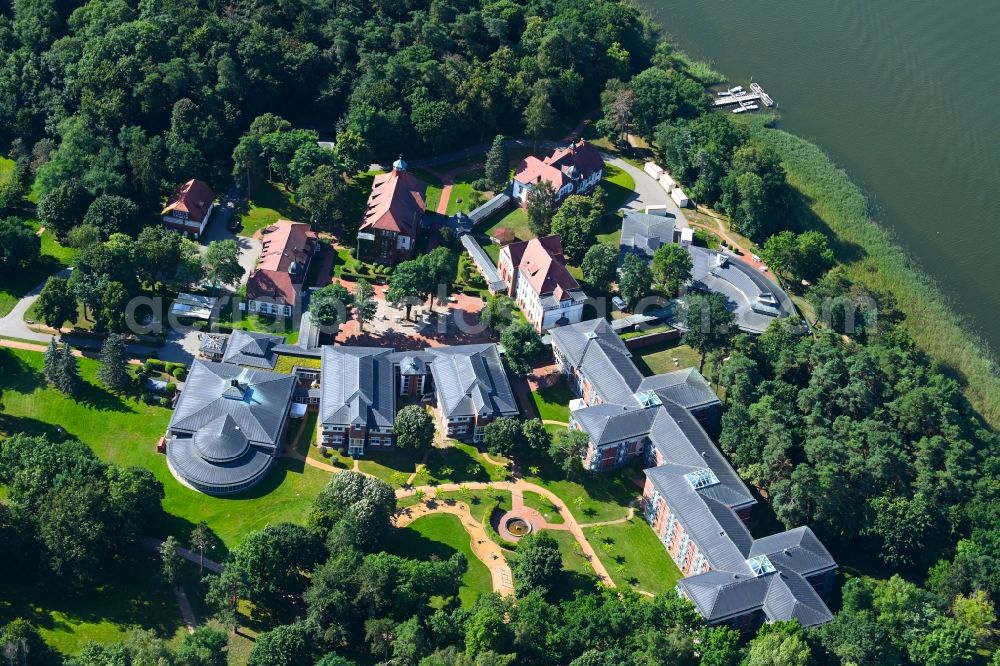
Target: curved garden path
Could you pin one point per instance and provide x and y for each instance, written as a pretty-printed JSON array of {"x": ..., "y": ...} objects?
[
  {"x": 485, "y": 550},
  {"x": 517, "y": 489}
]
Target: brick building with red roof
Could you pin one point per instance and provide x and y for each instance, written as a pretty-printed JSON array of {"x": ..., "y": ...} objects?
[
  {"x": 576, "y": 169},
  {"x": 391, "y": 223},
  {"x": 539, "y": 282},
  {"x": 275, "y": 286},
  {"x": 189, "y": 208}
]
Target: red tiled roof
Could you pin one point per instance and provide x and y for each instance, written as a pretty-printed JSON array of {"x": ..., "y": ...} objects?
[
  {"x": 194, "y": 197},
  {"x": 542, "y": 265},
  {"x": 553, "y": 244},
  {"x": 286, "y": 249},
  {"x": 396, "y": 203},
  {"x": 556, "y": 167}
]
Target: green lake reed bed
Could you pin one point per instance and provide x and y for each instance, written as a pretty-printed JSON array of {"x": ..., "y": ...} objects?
[{"x": 880, "y": 263}]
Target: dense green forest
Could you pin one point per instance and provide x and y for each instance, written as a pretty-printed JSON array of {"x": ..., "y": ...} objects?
[{"x": 128, "y": 98}]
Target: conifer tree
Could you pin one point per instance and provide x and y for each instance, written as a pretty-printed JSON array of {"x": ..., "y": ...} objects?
[
  {"x": 52, "y": 362},
  {"x": 113, "y": 372},
  {"x": 67, "y": 374},
  {"x": 496, "y": 168}
]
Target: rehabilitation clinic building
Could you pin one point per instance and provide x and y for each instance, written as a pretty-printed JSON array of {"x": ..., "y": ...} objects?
[
  {"x": 695, "y": 502},
  {"x": 360, "y": 387}
]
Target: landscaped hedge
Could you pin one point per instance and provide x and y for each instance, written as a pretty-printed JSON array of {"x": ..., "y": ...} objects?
[{"x": 492, "y": 533}]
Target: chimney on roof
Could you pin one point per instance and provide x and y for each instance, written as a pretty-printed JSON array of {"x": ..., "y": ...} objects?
[{"x": 234, "y": 382}]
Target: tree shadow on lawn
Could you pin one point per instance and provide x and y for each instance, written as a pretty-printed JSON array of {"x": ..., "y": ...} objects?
[
  {"x": 455, "y": 465},
  {"x": 408, "y": 542},
  {"x": 130, "y": 594}
]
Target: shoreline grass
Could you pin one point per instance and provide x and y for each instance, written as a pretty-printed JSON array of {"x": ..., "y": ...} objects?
[{"x": 873, "y": 257}]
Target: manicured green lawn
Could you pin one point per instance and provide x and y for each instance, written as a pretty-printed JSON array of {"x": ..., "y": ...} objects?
[
  {"x": 259, "y": 323},
  {"x": 441, "y": 535},
  {"x": 134, "y": 596},
  {"x": 433, "y": 187},
  {"x": 457, "y": 464},
  {"x": 385, "y": 465},
  {"x": 268, "y": 204},
  {"x": 634, "y": 556},
  {"x": 15, "y": 284},
  {"x": 479, "y": 501},
  {"x": 578, "y": 574},
  {"x": 463, "y": 194},
  {"x": 618, "y": 186},
  {"x": 660, "y": 359},
  {"x": 543, "y": 506},
  {"x": 603, "y": 496},
  {"x": 125, "y": 431},
  {"x": 552, "y": 402},
  {"x": 516, "y": 219}
]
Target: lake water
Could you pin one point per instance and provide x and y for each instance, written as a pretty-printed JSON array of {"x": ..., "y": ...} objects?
[{"x": 904, "y": 94}]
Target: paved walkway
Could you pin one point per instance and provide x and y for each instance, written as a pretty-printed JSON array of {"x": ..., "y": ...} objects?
[
  {"x": 13, "y": 324},
  {"x": 186, "y": 611},
  {"x": 154, "y": 543},
  {"x": 719, "y": 231},
  {"x": 520, "y": 485}
]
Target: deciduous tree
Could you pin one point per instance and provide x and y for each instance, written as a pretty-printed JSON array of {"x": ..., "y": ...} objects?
[
  {"x": 414, "y": 428},
  {"x": 600, "y": 265},
  {"x": 672, "y": 267},
  {"x": 541, "y": 206},
  {"x": 56, "y": 304},
  {"x": 522, "y": 347}
]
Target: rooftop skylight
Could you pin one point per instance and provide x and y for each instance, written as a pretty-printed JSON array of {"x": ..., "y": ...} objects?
[
  {"x": 760, "y": 565},
  {"x": 702, "y": 478}
]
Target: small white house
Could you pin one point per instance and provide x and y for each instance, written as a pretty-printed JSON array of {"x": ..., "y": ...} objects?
[
  {"x": 653, "y": 170},
  {"x": 681, "y": 199},
  {"x": 660, "y": 211},
  {"x": 687, "y": 237}
]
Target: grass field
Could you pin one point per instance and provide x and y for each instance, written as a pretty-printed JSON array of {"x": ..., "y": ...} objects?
[
  {"x": 6, "y": 168},
  {"x": 543, "y": 506},
  {"x": 552, "y": 402},
  {"x": 268, "y": 204},
  {"x": 433, "y": 188},
  {"x": 15, "y": 284},
  {"x": 133, "y": 597},
  {"x": 479, "y": 501},
  {"x": 458, "y": 464},
  {"x": 603, "y": 496},
  {"x": 386, "y": 465},
  {"x": 659, "y": 359},
  {"x": 125, "y": 431},
  {"x": 578, "y": 574},
  {"x": 634, "y": 556},
  {"x": 464, "y": 197},
  {"x": 515, "y": 219},
  {"x": 441, "y": 535}
]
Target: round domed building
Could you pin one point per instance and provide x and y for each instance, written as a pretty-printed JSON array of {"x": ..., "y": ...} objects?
[{"x": 227, "y": 427}]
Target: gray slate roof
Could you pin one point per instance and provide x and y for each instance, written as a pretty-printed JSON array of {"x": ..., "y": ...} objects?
[
  {"x": 255, "y": 400},
  {"x": 687, "y": 388},
  {"x": 470, "y": 380},
  {"x": 613, "y": 423},
  {"x": 252, "y": 349},
  {"x": 797, "y": 549},
  {"x": 781, "y": 595},
  {"x": 602, "y": 357},
  {"x": 643, "y": 234},
  {"x": 681, "y": 440},
  {"x": 357, "y": 387},
  {"x": 185, "y": 459}
]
